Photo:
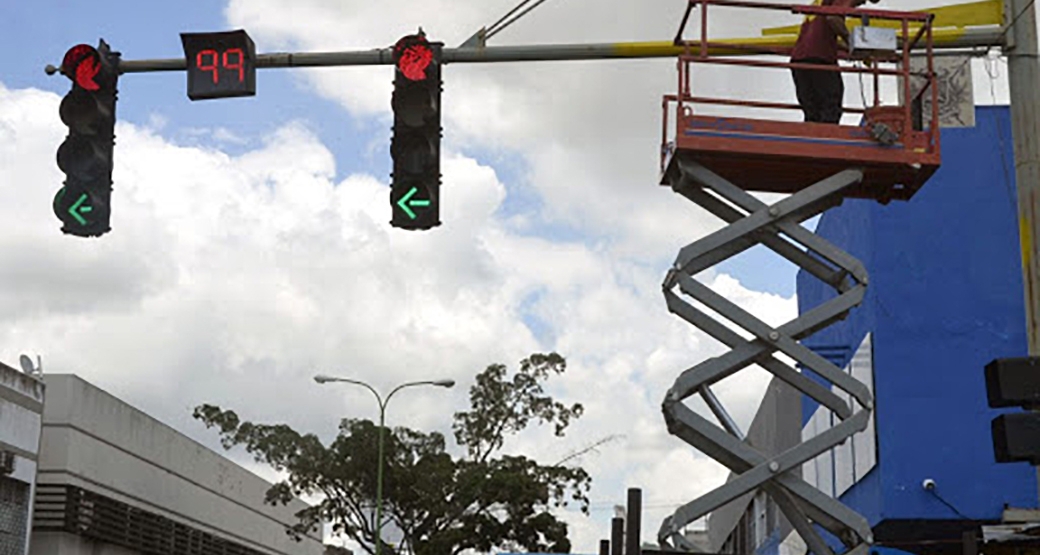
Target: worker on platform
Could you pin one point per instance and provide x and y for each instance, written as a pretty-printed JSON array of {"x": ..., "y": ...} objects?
[{"x": 820, "y": 92}]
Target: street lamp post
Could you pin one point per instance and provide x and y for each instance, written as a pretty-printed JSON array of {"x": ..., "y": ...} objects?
[{"x": 321, "y": 379}]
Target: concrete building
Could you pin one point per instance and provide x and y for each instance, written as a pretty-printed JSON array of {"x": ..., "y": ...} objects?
[
  {"x": 112, "y": 480},
  {"x": 753, "y": 520},
  {"x": 945, "y": 298},
  {"x": 21, "y": 409}
]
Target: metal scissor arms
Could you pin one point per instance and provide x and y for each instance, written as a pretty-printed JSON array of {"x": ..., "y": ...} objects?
[
  {"x": 778, "y": 227},
  {"x": 823, "y": 272},
  {"x": 769, "y": 340},
  {"x": 678, "y": 540},
  {"x": 757, "y": 469},
  {"x": 783, "y": 216},
  {"x": 779, "y": 369}
]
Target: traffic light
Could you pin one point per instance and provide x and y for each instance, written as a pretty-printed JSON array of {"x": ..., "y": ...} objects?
[
  {"x": 89, "y": 110},
  {"x": 1012, "y": 382},
  {"x": 416, "y": 144}
]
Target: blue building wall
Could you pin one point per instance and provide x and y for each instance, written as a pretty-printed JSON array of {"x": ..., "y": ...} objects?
[{"x": 945, "y": 297}]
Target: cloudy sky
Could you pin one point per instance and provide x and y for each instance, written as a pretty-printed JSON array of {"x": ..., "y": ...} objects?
[{"x": 251, "y": 246}]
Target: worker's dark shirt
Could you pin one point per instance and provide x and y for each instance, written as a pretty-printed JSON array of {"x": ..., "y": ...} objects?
[{"x": 816, "y": 40}]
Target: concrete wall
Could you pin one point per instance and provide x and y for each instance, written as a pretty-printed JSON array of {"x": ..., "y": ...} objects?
[
  {"x": 97, "y": 442},
  {"x": 21, "y": 407}
]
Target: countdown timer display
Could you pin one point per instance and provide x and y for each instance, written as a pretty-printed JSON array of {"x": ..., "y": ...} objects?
[{"x": 220, "y": 65}]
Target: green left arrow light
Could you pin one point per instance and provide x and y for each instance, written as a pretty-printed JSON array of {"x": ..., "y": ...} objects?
[
  {"x": 81, "y": 212},
  {"x": 78, "y": 208},
  {"x": 406, "y": 201}
]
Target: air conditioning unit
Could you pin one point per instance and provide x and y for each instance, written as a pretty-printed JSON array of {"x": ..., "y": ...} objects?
[{"x": 6, "y": 463}]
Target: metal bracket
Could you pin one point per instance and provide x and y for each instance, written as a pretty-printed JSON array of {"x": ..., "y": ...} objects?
[
  {"x": 478, "y": 40},
  {"x": 778, "y": 227}
]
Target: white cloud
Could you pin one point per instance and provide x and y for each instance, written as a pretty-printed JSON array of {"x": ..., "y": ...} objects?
[
  {"x": 232, "y": 279},
  {"x": 590, "y": 131}
]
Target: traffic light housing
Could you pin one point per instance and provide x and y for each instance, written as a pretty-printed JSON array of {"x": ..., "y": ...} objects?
[
  {"x": 89, "y": 110},
  {"x": 416, "y": 143},
  {"x": 1012, "y": 382}
]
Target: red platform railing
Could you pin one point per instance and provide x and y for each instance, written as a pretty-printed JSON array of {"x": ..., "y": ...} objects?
[{"x": 914, "y": 32}]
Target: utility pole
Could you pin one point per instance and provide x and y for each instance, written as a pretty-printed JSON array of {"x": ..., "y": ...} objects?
[{"x": 1024, "y": 82}]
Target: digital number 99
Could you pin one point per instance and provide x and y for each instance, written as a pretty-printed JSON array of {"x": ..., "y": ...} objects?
[{"x": 207, "y": 60}]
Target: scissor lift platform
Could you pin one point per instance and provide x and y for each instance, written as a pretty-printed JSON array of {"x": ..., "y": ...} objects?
[
  {"x": 785, "y": 157},
  {"x": 896, "y": 147}
]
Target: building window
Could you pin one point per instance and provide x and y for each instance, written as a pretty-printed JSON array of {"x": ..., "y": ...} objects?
[
  {"x": 14, "y": 515},
  {"x": 63, "y": 508}
]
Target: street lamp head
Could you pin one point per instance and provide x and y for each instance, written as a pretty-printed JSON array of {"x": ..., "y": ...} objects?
[
  {"x": 444, "y": 383},
  {"x": 321, "y": 378}
]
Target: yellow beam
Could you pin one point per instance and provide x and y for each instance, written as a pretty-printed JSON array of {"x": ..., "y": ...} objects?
[
  {"x": 942, "y": 38},
  {"x": 972, "y": 14}
]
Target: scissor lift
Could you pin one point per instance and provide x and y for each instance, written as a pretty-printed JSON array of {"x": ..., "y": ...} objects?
[{"x": 717, "y": 162}]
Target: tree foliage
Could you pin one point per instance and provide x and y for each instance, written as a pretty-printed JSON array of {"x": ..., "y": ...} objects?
[{"x": 483, "y": 500}]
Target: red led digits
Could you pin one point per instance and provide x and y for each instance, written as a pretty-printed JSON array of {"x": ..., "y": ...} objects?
[
  {"x": 232, "y": 63},
  {"x": 220, "y": 65},
  {"x": 211, "y": 67},
  {"x": 237, "y": 65}
]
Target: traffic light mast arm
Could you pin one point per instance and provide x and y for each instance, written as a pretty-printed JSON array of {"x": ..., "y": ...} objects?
[{"x": 944, "y": 39}]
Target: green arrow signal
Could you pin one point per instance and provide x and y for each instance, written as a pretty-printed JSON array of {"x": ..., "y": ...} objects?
[
  {"x": 75, "y": 210},
  {"x": 404, "y": 202}
]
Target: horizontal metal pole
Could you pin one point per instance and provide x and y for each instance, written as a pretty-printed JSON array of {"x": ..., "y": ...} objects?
[
  {"x": 384, "y": 56},
  {"x": 301, "y": 59},
  {"x": 961, "y": 38}
]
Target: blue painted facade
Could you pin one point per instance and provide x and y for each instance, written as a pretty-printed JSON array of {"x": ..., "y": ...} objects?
[{"x": 944, "y": 298}]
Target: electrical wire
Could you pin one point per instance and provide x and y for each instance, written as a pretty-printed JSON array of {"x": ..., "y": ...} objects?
[
  {"x": 602, "y": 506},
  {"x": 494, "y": 29},
  {"x": 509, "y": 13},
  {"x": 948, "y": 504},
  {"x": 993, "y": 71},
  {"x": 1015, "y": 19}
]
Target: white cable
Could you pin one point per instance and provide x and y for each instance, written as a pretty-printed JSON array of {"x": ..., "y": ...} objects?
[
  {"x": 993, "y": 71},
  {"x": 492, "y": 31},
  {"x": 862, "y": 89},
  {"x": 509, "y": 13}
]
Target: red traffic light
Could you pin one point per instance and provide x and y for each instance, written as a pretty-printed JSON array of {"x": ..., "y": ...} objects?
[
  {"x": 82, "y": 63},
  {"x": 413, "y": 54}
]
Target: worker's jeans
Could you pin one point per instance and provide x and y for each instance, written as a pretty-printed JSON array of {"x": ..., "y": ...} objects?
[{"x": 820, "y": 93}]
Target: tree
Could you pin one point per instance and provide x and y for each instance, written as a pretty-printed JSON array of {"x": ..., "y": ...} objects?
[{"x": 482, "y": 500}]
